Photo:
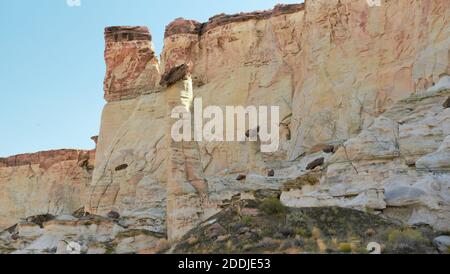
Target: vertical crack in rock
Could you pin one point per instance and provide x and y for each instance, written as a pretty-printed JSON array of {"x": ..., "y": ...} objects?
[{"x": 187, "y": 188}]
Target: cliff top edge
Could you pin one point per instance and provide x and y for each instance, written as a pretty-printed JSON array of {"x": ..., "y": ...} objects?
[{"x": 185, "y": 26}]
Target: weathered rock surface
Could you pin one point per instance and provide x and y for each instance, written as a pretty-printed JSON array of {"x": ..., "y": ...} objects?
[
  {"x": 131, "y": 152},
  {"x": 94, "y": 235},
  {"x": 334, "y": 68},
  {"x": 131, "y": 175},
  {"x": 132, "y": 67},
  {"x": 364, "y": 123},
  {"x": 50, "y": 182},
  {"x": 443, "y": 244},
  {"x": 336, "y": 64},
  {"x": 356, "y": 61},
  {"x": 373, "y": 170}
]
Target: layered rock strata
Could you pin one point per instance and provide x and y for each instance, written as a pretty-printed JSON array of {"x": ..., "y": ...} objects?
[
  {"x": 397, "y": 167},
  {"x": 50, "y": 182},
  {"x": 363, "y": 98},
  {"x": 333, "y": 67},
  {"x": 131, "y": 158},
  {"x": 132, "y": 67}
]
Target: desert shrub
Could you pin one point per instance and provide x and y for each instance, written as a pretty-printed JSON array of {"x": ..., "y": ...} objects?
[
  {"x": 345, "y": 247},
  {"x": 406, "y": 241},
  {"x": 272, "y": 206},
  {"x": 267, "y": 232},
  {"x": 247, "y": 220},
  {"x": 109, "y": 250},
  {"x": 303, "y": 232},
  {"x": 361, "y": 250},
  {"x": 406, "y": 235}
]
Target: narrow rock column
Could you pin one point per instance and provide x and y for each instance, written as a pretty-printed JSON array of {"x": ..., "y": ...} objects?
[
  {"x": 186, "y": 186},
  {"x": 131, "y": 64},
  {"x": 132, "y": 70}
]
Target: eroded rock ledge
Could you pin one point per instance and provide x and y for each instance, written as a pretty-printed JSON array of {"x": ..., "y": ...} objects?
[
  {"x": 44, "y": 182},
  {"x": 45, "y": 158},
  {"x": 180, "y": 25},
  {"x": 121, "y": 34}
]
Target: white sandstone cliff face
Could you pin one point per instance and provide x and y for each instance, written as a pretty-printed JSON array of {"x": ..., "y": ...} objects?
[
  {"x": 240, "y": 62},
  {"x": 358, "y": 60},
  {"x": 341, "y": 73},
  {"x": 364, "y": 95},
  {"x": 131, "y": 172},
  {"x": 132, "y": 177},
  {"x": 53, "y": 182},
  {"x": 397, "y": 167}
]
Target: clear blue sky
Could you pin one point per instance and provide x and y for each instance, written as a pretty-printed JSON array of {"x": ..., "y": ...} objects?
[{"x": 52, "y": 68}]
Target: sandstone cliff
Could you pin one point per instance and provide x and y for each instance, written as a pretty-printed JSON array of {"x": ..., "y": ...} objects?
[
  {"x": 333, "y": 67},
  {"x": 51, "y": 182},
  {"x": 397, "y": 167},
  {"x": 363, "y": 94}
]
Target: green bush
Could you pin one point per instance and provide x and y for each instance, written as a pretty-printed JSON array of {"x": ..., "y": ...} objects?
[
  {"x": 267, "y": 232},
  {"x": 406, "y": 241},
  {"x": 109, "y": 250},
  {"x": 272, "y": 206},
  {"x": 303, "y": 232},
  {"x": 406, "y": 235},
  {"x": 247, "y": 220},
  {"x": 345, "y": 247}
]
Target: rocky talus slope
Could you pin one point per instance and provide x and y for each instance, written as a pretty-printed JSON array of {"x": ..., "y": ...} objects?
[
  {"x": 266, "y": 226},
  {"x": 364, "y": 106}
]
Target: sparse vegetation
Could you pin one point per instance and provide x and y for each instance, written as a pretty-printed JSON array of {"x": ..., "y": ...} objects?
[
  {"x": 273, "y": 206},
  {"x": 279, "y": 229},
  {"x": 267, "y": 232},
  {"x": 109, "y": 250},
  {"x": 370, "y": 210},
  {"x": 345, "y": 247},
  {"x": 303, "y": 232},
  {"x": 406, "y": 241},
  {"x": 406, "y": 235},
  {"x": 247, "y": 220}
]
